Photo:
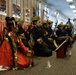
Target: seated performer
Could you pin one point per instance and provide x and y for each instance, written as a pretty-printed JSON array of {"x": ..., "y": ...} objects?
[
  {"x": 40, "y": 47},
  {"x": 49, "y": 37},
  {"x": 6, "y": 60},
  {"x": 19, "y": 51},
  {"x": 61, "y": 36}
]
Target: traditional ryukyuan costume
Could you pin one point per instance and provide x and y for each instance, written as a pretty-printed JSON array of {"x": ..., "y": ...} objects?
[
  {"x": 10, "y": 55},
  {"x": 5, "y": 52},
  {"x": 19, "y": 51}
]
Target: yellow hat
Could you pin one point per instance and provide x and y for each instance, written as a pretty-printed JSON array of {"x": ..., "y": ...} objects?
[
  {"x": 50, "y": 21},
  {"x": 16, "y": 19},
  {"x": 36, "y": 18},
  {"x": 61, "y": 24},
  {"x": 20, "y": 20},
  {"x": 44, "y": 21}
]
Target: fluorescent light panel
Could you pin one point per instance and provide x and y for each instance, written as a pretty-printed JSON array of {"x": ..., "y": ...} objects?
[
  {"x": 75, "y": 14},
  {"x": 69, "y": 0},
  {"x": 72, "y": 6},
  {"x": 74, "y": 10}
]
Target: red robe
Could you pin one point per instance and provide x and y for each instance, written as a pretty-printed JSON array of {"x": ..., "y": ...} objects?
[
  {"x": 6, "y": 60},
  {"x": 5, "y": 54},
  {"x": 23, "y": 60}
]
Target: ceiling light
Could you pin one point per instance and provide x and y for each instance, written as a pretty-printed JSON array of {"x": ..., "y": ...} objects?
[
  {"x": 75, "y": 14},
  {"x": 72, "y": 6},
  {"x": 69, "y": 0},
  {"x": 74, "y": 10}
]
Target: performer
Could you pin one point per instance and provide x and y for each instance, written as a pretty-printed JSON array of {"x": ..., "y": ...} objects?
[
  {"x": 5, "y": 52},
  {"x": 60, "y": 35},
  {"x": 51, "y": 36},
  {"x": 19, "y": 51},
  {"x": 40, "y": 47}
]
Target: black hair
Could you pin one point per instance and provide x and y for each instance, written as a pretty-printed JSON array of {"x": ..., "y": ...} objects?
[
  {"x": 7, "y": 19},
  {"x": 9, "y": 25},
  {"x": 12, "y": 18}
]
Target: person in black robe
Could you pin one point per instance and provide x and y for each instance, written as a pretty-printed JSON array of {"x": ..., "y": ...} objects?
[
  {"x": 40, "y": 47},
  {"x": 47, "y": 31}
]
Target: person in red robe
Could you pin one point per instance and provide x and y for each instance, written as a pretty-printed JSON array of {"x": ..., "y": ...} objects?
[
  {"x": 5, "y": 52},
  {"x": 19, "y": 51}
]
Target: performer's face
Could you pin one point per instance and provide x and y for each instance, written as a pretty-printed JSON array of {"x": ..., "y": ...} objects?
[
  {"x": 61, "y": 28},
  {"x": 38, "y": 23}
]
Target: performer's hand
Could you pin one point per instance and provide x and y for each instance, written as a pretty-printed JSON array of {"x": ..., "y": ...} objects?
[
  {"x": 39, "y": 40},
  {"x": 50, "y": 39},
  {"x": 29, "y": 51},
  {"x": 46, "y": 33}
]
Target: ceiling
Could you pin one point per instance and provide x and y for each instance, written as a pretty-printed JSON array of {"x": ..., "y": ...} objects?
[{"x": 63, "y": 7}]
